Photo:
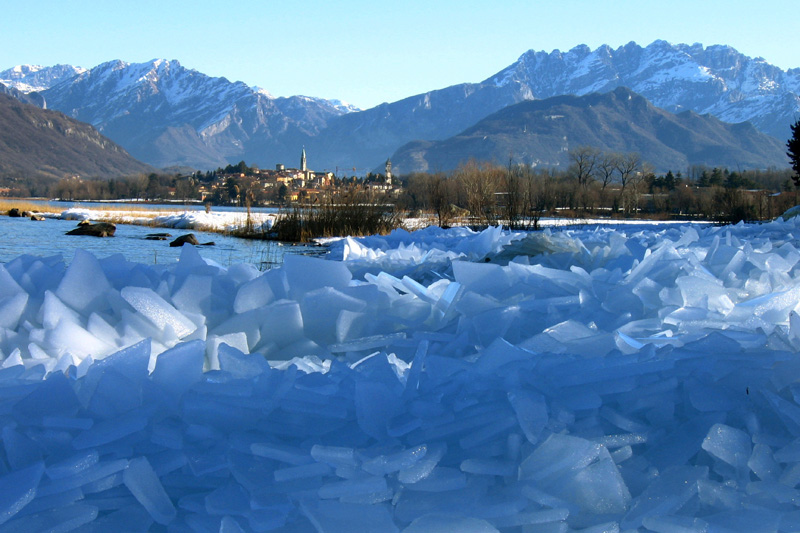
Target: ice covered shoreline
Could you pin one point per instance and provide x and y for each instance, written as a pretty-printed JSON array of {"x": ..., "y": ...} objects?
[{"x": 603, "y": 378}]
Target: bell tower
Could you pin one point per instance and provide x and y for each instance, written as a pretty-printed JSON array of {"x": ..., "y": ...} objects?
[{"x": 303, "y": 166}]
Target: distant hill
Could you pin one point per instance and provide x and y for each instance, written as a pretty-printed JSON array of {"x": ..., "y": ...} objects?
[
  {"x": 41, "y": 142},
  {"x": 542, "y": 132}
]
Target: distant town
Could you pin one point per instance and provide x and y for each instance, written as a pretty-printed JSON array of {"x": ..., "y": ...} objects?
[{"x": 240, "y": 184}]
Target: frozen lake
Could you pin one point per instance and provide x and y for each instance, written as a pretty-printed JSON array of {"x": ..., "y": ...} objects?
[{"x": 48, "y": 237}]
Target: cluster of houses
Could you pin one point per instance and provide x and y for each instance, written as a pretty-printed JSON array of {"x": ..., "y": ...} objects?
[{"x": 300, "y": 183}]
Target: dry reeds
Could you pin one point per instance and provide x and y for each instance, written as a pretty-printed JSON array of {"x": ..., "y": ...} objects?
[
  {"x": 352, "y": 215},
  {"x": 32, "y": 207}
]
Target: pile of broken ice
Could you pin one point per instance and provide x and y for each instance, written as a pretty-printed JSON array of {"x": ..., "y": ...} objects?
[{"x": 594, "y": 379}]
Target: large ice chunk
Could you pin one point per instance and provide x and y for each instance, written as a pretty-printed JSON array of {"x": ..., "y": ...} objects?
[
  {"x": 321, "y": 308},
  {"x": 181, "y": 367},
  {"x": 11, "y": 309},
  {"x": 729, "y": 444},
  {"x": 305, "y": 274},
  {"x": 158, "y": 311},
  {"x": 253, "y": 294},
  {"x": 84, "y": 285},
  {"x": 142, "y": 481},
  {"x": 18, "y": 489}
]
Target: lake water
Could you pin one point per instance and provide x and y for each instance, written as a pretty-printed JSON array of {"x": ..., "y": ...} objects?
[{"x": 46, "y": 238}]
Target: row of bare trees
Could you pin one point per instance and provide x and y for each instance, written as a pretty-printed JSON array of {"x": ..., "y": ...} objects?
[
  {"x": 590, "y": 166},
  {"x": 517, "y": 195},
  {"x": 596, "y": 183}
]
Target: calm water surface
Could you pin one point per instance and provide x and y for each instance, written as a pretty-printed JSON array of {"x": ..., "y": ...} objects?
[{"x": 47, "y": 238}]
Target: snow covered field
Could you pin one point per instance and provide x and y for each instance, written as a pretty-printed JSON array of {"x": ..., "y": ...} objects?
[{"x": 598, "y": 379}]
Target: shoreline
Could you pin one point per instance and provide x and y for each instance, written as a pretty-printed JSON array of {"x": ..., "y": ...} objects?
[{"x": 233, "y": 223}]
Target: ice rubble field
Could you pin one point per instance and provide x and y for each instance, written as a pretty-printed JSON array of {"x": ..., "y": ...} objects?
[{"x": 604, "y": 380}]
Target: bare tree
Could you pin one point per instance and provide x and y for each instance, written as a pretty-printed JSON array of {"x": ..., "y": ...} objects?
[
  {"x": 441, "y": 193},
  {"x": 629, "y": 170},
  {"x": 584, "y": 161},
  {"x": 512, "y": 180},
  {"x": 479, "y": 184},
  {"x": 606, "y": 167},
  {"x": 583, "y": 167},
  {"x": 538, "y": 194}
]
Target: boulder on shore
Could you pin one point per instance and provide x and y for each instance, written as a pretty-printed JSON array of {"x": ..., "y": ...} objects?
[
  {"x": 99, "y": 229},
  {"x": 15, "y": 212}
]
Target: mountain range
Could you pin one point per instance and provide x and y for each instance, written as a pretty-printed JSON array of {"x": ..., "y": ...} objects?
[{"x": 166, "y": 114}]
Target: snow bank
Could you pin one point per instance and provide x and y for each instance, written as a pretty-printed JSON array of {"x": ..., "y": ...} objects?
[
  {"x": 199, "y": 220},
  {"x": 598, "y": 379}
]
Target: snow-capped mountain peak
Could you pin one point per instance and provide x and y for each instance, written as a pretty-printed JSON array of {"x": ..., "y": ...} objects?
[
  {"x": 716, "y": 79},
  {"x": 262, "y": 91},
  {"x": 160, "y": 109},
  {"x": 30, "y": 78}
]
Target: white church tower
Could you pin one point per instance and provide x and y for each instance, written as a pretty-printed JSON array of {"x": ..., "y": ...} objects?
[{"x": 303, "y": 167}]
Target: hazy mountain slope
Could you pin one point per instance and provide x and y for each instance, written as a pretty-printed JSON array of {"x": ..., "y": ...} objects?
[
  {"x": 36, "y": 141},
  {"x": 368, "y": 137},
  {"x": 542, "y": 132}
]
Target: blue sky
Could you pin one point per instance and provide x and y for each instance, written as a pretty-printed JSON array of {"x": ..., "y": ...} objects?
[{"x": 367, "y": 52}]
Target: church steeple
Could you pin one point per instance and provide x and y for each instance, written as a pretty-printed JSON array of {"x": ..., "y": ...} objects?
[{"x": 303, "y": 167}]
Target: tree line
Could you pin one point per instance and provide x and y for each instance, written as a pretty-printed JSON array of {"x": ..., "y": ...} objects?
[{"x": 596, "y": 184}]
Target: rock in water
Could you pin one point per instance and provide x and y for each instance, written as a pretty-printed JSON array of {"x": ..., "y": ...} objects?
[
  {"x": 99, "y": 229},
  {"x": 189, "y": 238}
]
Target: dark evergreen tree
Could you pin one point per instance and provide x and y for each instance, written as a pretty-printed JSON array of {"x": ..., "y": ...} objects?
[
  {"x": 669, "y": 181},
  {"x": 793, "y": 151}
]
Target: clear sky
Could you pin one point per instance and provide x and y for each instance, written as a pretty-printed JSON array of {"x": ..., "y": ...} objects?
[{"x": 368, "y": 52}]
